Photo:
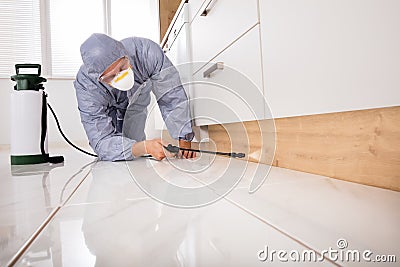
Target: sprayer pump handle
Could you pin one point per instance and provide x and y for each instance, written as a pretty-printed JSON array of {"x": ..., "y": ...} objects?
[{"x": 28, "y": 66}]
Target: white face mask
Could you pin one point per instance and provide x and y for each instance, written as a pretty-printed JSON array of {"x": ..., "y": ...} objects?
[{"x": 124, "y": 80}]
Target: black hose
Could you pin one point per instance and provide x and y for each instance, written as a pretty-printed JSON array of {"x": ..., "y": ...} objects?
[{"x": 65, "y": 138}]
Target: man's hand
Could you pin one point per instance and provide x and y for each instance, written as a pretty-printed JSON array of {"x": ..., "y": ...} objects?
[
  {"x": 153, "y": 147},
  {"x": 186, "y": 154}
]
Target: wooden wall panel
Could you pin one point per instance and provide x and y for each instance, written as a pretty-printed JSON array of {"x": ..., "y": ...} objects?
[
  {"x": 167, "y": 12},
  {"x": 247, "y": 138},
  {"x": 358, "y": 146}
]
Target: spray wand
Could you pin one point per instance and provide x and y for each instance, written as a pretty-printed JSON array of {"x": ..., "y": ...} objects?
[{"x": 175, "y": 149}]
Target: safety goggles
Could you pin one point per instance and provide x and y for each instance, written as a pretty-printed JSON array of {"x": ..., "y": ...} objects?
[{"x": 119, "y": 65}]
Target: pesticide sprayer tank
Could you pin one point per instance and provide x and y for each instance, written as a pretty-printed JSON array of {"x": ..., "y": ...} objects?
[{"x": 29, "y": 118}]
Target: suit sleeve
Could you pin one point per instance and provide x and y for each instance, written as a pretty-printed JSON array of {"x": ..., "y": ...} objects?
[{"x": 170, "y": 94}]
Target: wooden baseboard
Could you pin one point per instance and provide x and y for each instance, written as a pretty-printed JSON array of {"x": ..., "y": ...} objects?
[{"x": 359, "y": 146}]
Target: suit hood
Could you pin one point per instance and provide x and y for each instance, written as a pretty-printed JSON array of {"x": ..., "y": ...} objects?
[{"x": 99, "y": 51}]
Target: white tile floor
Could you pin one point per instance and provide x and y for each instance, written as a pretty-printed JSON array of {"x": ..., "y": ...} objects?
[{"x": 97, "y": 214}]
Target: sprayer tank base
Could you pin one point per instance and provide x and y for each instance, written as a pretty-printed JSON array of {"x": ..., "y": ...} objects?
[{"x": 29, "y": 159}]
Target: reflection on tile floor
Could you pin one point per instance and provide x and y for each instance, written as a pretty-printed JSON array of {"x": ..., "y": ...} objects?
[
  {"x": 146, "y": 233},
  {"x": 107, "y": 181},
  {"x": 321, "y": 211},
  {"x": 28, "y": 194},
  {"x": 107, "y": 219}
]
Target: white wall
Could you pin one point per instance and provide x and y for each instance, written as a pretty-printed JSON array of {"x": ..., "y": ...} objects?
[{"x": 61, "y": 95}]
